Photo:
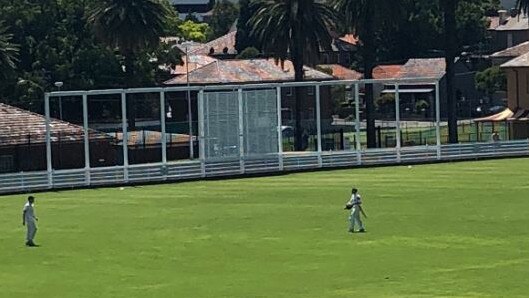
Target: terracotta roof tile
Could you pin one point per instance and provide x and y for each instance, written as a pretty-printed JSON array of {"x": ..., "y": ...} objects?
[
  {"x": 414, "y": 68},
  {"x": 350, "y": 38},
  {"x": 19, "y": 126},
  {"x": 387, "y": 72},
  {"x": 195, "y": 62},
  {"x": 517, "y": 23},
  {"x": 218, "y": 45},
  {"x": 421, "y": 68},
  {"x": 245, "y": 71},
  {"x": 494, "y": 22},
  {"x": 513, "y": 51},
  {"x": 520, "y": 61},
  {"x": 343, "y": 73}
]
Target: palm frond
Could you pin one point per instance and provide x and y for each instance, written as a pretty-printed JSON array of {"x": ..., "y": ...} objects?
[
  {"x": 293, "y": 28},
  {"x": 8, "y": 52},
  {"x": 522, "y": 5},
  {"x": 130, "y": 25}
]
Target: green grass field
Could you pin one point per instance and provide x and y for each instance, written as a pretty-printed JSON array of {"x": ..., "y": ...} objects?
[{"x": 457, "y": 229}]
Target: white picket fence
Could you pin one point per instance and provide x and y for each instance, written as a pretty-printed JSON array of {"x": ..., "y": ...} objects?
[{"x": 260, "y": 165}]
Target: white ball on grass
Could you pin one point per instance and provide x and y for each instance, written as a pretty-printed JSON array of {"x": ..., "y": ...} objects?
[{"x": 409, "y": 167}]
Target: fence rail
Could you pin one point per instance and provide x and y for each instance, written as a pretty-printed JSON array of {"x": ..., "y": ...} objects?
[{"x": 271, "y": 163}]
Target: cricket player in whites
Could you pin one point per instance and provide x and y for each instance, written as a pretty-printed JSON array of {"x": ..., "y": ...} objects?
[
  {"x": 30, "y": 221},
  {"x": 355, "y": 204}
]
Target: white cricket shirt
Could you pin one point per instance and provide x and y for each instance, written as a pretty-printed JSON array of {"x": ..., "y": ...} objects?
[{"x": 29, "y": 212}]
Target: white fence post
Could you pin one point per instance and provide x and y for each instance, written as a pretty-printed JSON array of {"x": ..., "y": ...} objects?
[
  {"x": 357, "y": 124},
  {"x": 163, "y": 134},
  {"x": 190, "y": 118},
  {"x": 49, "y": 165},
  {"x": 241, "y": 129},
  {"x": 438, "y": 120},
  {"x": 86, "y": 139},
  {"x": 397, "y": 121},
  {"x": 201, "y": 139},
  {"x": 125, "y": 137},
  {"x": 279, "y": 129},
  {"x": 318, "y": 124}
]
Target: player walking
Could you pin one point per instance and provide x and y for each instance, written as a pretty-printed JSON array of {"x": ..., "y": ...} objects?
[
  {"x": 30, "y": 221},
  {"x": 355, "y": 204}
]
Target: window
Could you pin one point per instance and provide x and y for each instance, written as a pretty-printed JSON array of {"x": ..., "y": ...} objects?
[{"x": 509, "y": 40}]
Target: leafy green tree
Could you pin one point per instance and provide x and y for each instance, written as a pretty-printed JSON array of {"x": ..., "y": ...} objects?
[
  {"x": 365, "y": 18},
  {"x": 491, "y": 80},
  {"x": 450, "y": 50},
  {"x": 8, "y": 53},
  {"x": 222, "y": 19},
  {"x": 249, "y": 53},
  {"x": 130, "y": 26},
  {"x": 198, "y": 32},
  {"x": 295, "y": 28}
]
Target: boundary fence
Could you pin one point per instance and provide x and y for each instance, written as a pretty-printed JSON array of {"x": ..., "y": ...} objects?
[
  {"x": 244, "y": 161},
  {"x": 267, "y": 164}
]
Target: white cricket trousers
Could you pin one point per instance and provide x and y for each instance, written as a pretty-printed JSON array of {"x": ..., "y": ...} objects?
[
  {"x": 354, "y": 219},
  {"x": 32, "y": 230}
]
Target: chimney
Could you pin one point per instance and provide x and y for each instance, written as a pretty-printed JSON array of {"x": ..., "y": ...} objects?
[
  {"x": 503, "y": 16},
  {"x": 514, "y": 12}
]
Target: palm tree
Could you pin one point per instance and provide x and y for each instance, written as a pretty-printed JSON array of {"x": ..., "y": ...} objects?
[
  {"x": 365, "y": 18},
  {"x": 297, "y": 29},
  {"x": 522, "y": 5},
  {"x": 8, "y": 52},
  {"x": 130, "y": 26},
  {"x": 451, "y": 49}
]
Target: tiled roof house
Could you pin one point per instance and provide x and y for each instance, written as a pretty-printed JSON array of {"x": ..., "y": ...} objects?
[{"x": 23, "y": 142}]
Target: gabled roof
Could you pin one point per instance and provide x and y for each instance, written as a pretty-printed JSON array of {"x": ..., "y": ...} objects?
[
  {"x": 387, "y": 72},
  {"x": 227, "y": 42},
  {"x": 414, "y": 68},
  {"x": 218, "y": 45},
  {"x": 520, "y": 61},
  {"x": 421, "y": 68},
  {"x": 190, "y": 46},
  {"x": 350, "y": 38},
  {"x": 342, "y": 73},
  {"x": 494, "y": 22},
  {"x": 195, "y": 62},
  {"x": 512, "y": 51},
  {"x": 245, "y": 71},
  {"x": 517, "y": 23},
  {"x": 18, "y": 126}
]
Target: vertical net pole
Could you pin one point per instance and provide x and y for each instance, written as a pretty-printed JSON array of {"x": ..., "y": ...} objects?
[
  {"x": 163, "y": 130},
  {"x": 86, "y": 139},
  {"x": 201, "y": 139},
  {"x": 125, "y": 136},
  {"x": 49, "y": 165},
  {"x": 438, "y": 120},
  {"x": 279, "y": 129},
  {"x": 357, "y": 125},
  {"x": 318, "y": 124},
  {"x": 190, "y": 117},
  {"x": 241, "y": 129},
  {"x": 397, "y": 121}
]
